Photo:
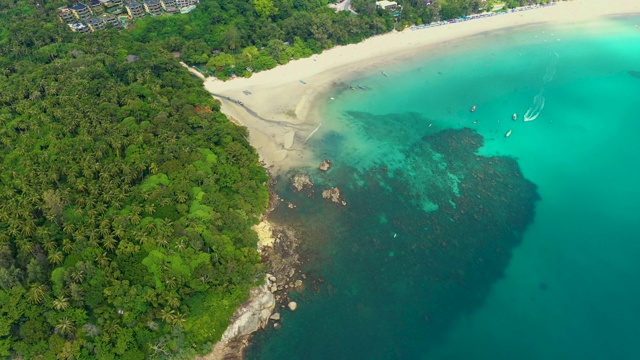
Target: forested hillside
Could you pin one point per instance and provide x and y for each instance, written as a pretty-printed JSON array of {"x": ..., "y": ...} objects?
[{"x": 126, "y": 198}]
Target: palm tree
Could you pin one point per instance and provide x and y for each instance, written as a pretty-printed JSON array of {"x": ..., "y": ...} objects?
[
  {"x": 150, "y": 209},
  {"x": 67, "y": 246},
  {"x": 170, "y": 281},
  {"x": 112, "y": 328},
  {"x": 182, "y": 198},
  {"x": 56, "y": 258},
  {"x": 61, "y": 303},
  {"x": 36, "y": 293},
  {"x": 109, "y": 243},
  {"x": 77, "y": 276},
  {"x": 102, "y": 259},
  {"x": 119, "y": 231},
  {"x": 167, "y": 314},
  {"x": 178, "y": 320},
  {"x": 65, "y": 326},
  {"x": 49, "y": 245},
  {"x": 173, "y": 300},
  {"x": 181, "y": 245}
]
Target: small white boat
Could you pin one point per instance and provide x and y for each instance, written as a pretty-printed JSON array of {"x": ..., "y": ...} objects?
[
  {"x": 508, "y": 133},
  {"x": 384, "y": 73},
  {"x": 515, "y": 117},
  {"x": 473, "y": 108}
]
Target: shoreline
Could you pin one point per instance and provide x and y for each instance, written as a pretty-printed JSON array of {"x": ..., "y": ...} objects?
[
  {"x": 282, "y": 108},
  {"x": 282, "y": 112}
]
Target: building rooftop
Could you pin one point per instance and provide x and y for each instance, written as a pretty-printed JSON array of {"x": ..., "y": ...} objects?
[
  {"x": 94, "y": 21},
  {"x": 77, "y": 26},
  {"x": 385, "y": 3}
]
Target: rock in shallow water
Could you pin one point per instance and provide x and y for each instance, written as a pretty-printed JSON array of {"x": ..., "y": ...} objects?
[
  {"x": 325, "y": 165},
  {"x": 292, "y": 306}
]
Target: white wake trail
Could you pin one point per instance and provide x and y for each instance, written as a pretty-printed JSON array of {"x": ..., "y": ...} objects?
[{"x": 538, "y": 101}]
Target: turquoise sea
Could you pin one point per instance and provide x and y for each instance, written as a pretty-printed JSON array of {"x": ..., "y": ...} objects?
[{"x": 458, "y": 242}]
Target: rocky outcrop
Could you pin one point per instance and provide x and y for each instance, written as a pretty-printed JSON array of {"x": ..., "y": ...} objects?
[
  {"x": 253, "y": 315},
  {"x": 277, "y": 246},
  {"x": 325, "y": 165},
  {"x": 333, "y": 194},
  {"x": 301, "y": 181}
]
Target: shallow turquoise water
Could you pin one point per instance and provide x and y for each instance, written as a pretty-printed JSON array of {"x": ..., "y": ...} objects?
[{"x": 441, "y": 254}]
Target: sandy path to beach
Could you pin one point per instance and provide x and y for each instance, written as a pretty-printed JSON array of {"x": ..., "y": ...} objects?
[{"x": 280, "y": 111}]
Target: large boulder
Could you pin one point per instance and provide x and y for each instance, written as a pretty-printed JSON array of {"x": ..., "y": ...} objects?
[
  {"x": 252, "y": 315},
  {"x": 292, "y": 305}
]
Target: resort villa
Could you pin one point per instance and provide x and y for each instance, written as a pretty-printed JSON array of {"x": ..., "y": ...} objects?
[
  {"x": 98, "y": 14},
  {"x": 135, "y": 10},
  {"x": 153, "y": 7},
  {"x": 81, "y": 11},
  {"x": 387, "y": 5}
]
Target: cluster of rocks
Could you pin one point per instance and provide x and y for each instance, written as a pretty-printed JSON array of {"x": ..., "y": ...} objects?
[
  {"x": 282, "y": 297},
  {"x": 333, "y": 194},
  {"x": 301, "y": 181}
]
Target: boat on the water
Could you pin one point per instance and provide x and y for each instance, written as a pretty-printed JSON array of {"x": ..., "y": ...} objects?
[
  {"x": 515, "y": 117},
  {"x": 473, "y": 108},
  {"x": 384, "y": 73},
  {"x": 508, "y": 134},
  {"x": 302, "y": 81},
  {"x": 361, "y": 87}
]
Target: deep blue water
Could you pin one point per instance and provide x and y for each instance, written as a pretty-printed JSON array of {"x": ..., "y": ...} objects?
[{"x": 458, "y": 242}]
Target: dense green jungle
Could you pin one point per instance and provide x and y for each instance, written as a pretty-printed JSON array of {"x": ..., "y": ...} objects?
[{"x": 126, "y": 196}]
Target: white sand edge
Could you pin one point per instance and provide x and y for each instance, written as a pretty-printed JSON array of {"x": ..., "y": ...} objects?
[{"x": 279, "y": 95}]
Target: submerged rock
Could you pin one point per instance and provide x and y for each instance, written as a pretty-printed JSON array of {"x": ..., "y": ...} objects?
[
  {"x": 292, "y": 305},
  {"x": 333, "y": 194},
  {"x": 301, "y": 181},
  {"x": 325, "y": 165}
]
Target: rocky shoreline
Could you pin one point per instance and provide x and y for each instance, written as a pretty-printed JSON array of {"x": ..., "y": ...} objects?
[{"x": 278, "y": 248}]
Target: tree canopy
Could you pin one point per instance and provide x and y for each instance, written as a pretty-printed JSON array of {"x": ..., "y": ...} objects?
[{"x": 126, "y": 198}]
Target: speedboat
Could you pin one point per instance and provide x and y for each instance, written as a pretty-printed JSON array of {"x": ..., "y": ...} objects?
[
  {"x": 515, "y": 117},
  {"x": 508, "y": 134},
  {"x": 473, "y": 108}
]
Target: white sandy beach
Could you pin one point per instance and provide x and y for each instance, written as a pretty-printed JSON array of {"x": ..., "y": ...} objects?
[{"x": 285, "y": 106}]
